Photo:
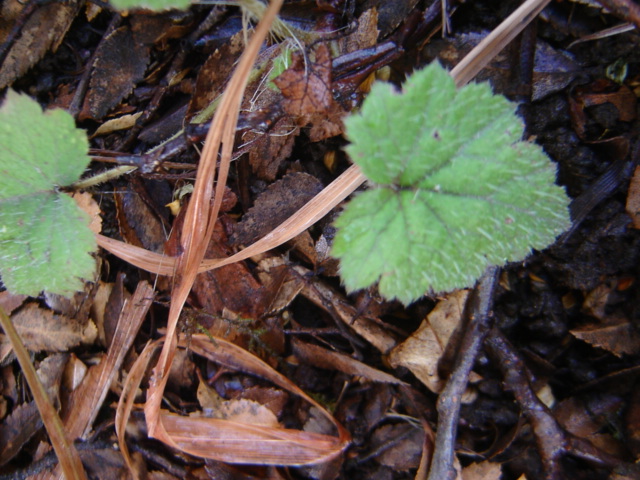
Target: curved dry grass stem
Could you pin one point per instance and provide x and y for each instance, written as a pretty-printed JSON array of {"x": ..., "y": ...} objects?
[{"x": 201, "y": 216}]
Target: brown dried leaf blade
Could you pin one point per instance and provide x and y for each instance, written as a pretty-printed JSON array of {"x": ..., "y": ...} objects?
[
  {"x": 120, "y": 64},
  {"x": 281, "y": 200},
  {"x": 42, "y": 329},
  {"x": 44, "y": 31},
  {"x": 307, "y": 86},
  {"x": 620, "y": 338}
]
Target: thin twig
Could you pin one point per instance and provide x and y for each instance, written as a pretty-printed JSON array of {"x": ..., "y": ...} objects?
[
  {"x": 553, "y": 441},
  {"x": 478, "y": 310}
]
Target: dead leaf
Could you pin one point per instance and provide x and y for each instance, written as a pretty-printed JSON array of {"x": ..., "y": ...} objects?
[
  {"x": 86, "y": 202},
  {"x": 124, "y": 122},
  {"x": 323, "y": 358},
  {"x": 17, "y": 429},
  {"x": 272, "y": 398},
  {"x": 270, "y": 149},
  {"x": 42, "y": 329},
  {"x": 44, "y": 31},
  {"x": 365, "y": 36},
  {"x": 633, "y": 199},
  {"x": 120, "y": 63},
  {"x": 74, "y": 372},
  {"x": 591, "y": 419},
  {"x": 275, "y": 205},
  {"x": 25, "y": 421},
  {"x": 138, "y": 224},
  {"x": 553, "y": 70},
  {"x": 282, "y": 285},
  {"x": 231, "y": 288},
  {"x": 85, "y": 402},
  {"x": 583, "y": 100},
  {"x": 104, "y": 463},
  {"x": 632, "y": 422},
  {"x": 214, "y": 74},
  {"x": 482, "y": 471},
  {"x": 620, "y": 338},
  {"x": 422, "y": 351},
  {"x": 9, "y": 302},
  {"x": 400, "y": 446},
  {"x": 230, "y": 441},
  {"x": 236, "y": 410},
  {"x": 306, "y": 86}
]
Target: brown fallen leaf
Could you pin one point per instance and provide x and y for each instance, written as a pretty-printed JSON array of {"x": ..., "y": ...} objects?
[
  {"x": 591, "y": 418},
  {"x": 482, "y": 471},
  {"x": 137, "y": 223},
  {"x": 633, "y": 199},
  {"x": 43, "y": 31},
  {"x": 323, "y": 358},
  {"x": 87, "y": 203},
  {"x": 365, "y": 35},
  {"x": 235, "y": 410},
  {"x": 282, "y": 285},
  {"x": 124, "y": 122},
  {"x": 620, "y": 338},
  {"x": 85, "y": 402},
  {"x": 275, "y": 205},
  {"x": 270, "y": 149},
  {"x": 25, "y": 421},
  {"x": 422, "y": 351},
  {"x": 552, "y": 72},
  {"x": 42, "y": 329},
  {"x": 17, "y": 429},
  {"x": 229, "y": 441},
  {"x": 214, "y": 74},
  {"x": 232, "y": 288},
  {"x": 306, "y": 86},
  {"x": 602, "y": 92},
  {"x": 9, "y": 302},
  {"x": 120, "y": 63},
  {"x": 595, "y": 303},
  {"x": 398, "y": 446},
  {"x": 104, "y": 463},
  {"x": 632, "y": 422}
]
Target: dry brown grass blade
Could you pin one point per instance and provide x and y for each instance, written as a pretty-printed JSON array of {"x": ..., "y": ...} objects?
[
  {"x": 314, "y": 210},
  {"x": 235, "y": 442},
  {"x": 229, "y": 441},
  {"x": 125, "y": 404},
  {"x": 87, "y": 399},
  {"x": 201, "y": 216}
]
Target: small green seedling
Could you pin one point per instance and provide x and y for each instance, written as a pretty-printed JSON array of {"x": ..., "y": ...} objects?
[
  {"x": 453, "y": 188},
  {"x": 45, "y": 240}
]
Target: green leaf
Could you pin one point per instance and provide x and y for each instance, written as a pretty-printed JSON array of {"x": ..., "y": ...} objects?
[
  {"x": 151, "y": 4},
  {"x": 454, "y": 189},
  {"x": 45, "y": 239}
]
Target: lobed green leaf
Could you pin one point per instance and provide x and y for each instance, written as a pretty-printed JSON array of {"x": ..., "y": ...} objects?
[
  {"x": 45, "y": 240},
  {"x": 455, "y": 190}
]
